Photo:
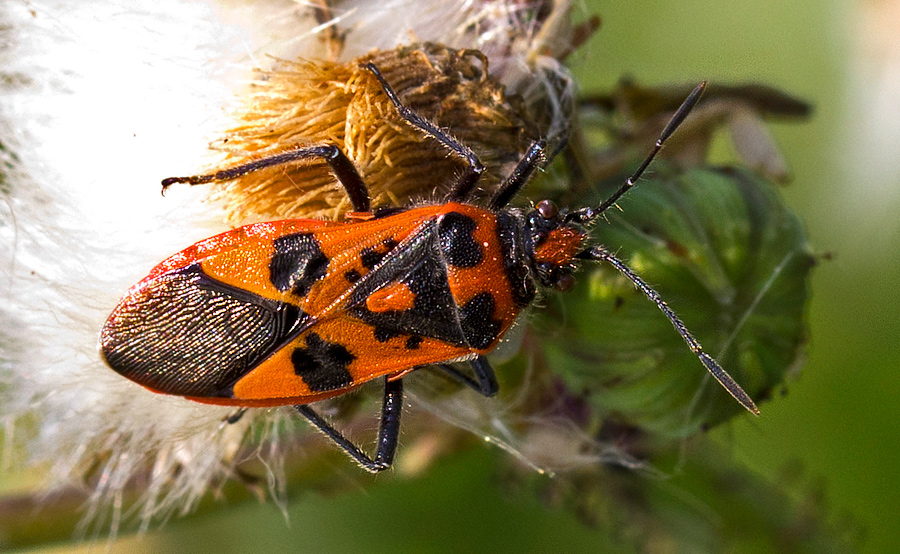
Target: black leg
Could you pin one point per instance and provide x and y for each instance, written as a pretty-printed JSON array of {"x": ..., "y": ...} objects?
[
  {"x": 486, "y": 382},
  {"x": 341, "y": 166},
  {"x": 533, "y": 159},
  {"x": 236, "y": 416},
  {"x": 536, "y": 157},
  {"x": 474, "y": 167},
  {"x": 388, "y": 431}
]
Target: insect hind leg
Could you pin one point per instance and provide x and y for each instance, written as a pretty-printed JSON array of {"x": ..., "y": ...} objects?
[
  {"x": 340, "y": 164},
  {"x": 388, "y": 430},
  {"x": 474, "y": 167},
  {"x": 485, "y": 381}
]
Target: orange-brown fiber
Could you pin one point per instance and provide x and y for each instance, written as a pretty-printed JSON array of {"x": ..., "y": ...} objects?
[{"x": 311, "y": 103}]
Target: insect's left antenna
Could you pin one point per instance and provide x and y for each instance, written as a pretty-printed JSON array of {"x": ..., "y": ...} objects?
[
  {"x": 599, "y": 253},
  {"x": 586, "y": 215}
]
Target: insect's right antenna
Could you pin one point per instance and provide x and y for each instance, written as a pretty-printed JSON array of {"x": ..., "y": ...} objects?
[
  {"x": 586, "y": 215},
  {"x": 600, "y": 254}
]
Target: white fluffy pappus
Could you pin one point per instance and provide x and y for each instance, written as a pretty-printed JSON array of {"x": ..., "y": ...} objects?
[{"x": 100, "y": 100}]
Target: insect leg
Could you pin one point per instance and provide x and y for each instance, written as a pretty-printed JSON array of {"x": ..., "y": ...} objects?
[
  {"x": 486, "y": 382},
  {"x": 533, "y": 159},
  {"x": 601, "y": 254},
  {"x": 340, "y": 164},
  {"x": 236, "y": 416},
  {"x": 388, "y": 430},
  {"x": 474, "y": 167}
]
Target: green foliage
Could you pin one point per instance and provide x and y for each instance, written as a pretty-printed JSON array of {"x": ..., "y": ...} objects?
[{"x": 724, "y": 252}]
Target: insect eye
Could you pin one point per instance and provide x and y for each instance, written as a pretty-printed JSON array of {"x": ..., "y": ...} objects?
[{"x": 547, "y": 209}]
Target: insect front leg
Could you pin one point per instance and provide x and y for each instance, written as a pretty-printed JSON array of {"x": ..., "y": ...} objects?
[
  {"x": 340, "y": 164},
  {"x": 534, "y": 158},
  {"x": 474, "y": 168},
  {"x": 388, "y": 430}
]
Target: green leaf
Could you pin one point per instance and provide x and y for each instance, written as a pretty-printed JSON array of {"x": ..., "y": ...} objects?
[{"x": 726, "y": 254}]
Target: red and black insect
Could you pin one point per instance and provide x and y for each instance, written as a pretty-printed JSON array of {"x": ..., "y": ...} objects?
[{"x": 296, "y": 311}]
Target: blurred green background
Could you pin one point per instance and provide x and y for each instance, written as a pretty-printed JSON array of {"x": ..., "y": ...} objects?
[{"x": 838, "y": 421}]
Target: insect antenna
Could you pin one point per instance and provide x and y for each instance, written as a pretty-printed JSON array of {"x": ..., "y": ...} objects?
[
  {"x": 598, "y": 253},
  {"x": 586, "y": 215}
]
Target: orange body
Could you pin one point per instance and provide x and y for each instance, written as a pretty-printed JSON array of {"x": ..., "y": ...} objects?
[{"x": 295, "y": 311}]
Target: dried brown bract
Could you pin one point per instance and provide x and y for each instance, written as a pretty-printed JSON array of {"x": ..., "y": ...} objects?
[{"x": 306, "y": 103}]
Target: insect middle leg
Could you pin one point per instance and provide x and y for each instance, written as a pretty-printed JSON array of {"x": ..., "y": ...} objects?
[
  {"x": 388, "y": 431},
  {"x": 340, "y": 164},
  {"x": 474, "y": 168}
]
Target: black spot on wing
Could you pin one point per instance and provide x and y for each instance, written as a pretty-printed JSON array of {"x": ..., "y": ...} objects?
[
  {"x": 476, "y": 318},
  {"x": 370, "y": 257},
  {"x": 298, "y": 262},
  {"x": 322, "y": 365},
  {"x": 457, "y": 243},
  {"x": 413, "y": 342},
  {"x": 352, "y": 276},
  {"x": 383, "y": 334}
]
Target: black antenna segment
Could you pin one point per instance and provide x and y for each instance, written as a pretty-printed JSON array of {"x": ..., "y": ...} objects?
[{"x": 586, "y": 215}]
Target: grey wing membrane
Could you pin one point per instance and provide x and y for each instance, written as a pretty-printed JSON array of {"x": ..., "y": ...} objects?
[{"x": 187, "y": 334}]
